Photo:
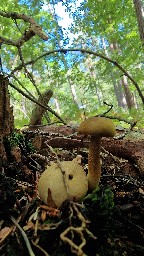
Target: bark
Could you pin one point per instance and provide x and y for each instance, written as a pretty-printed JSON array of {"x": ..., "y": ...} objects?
[
  {"x": 120, "y": 95},
  {"x": 38, "y": 111},
  {"x": 124, "y": 82},
  {"x": 6, "y": 115},
  {"x": 128, "y": 94},
  {"x": 125, "y": 149},
  {"x": 89, "y": 63},
  {"x": 117, "y": 84},
  {"x": 139, "y": 9}
]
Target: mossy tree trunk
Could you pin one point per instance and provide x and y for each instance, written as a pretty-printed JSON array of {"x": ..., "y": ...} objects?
[{"x": 6, "y": 115}]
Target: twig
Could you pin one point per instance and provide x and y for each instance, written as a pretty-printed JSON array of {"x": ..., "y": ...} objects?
[
  {"x": 21, "y": 84},
  {"x": 111, "y": 106},
  {"x": 39, "y": 247},
  {"x": 115, "y": 158},
  {"x": 40, "y": 157},
  {"x": 121, "y": 120},
  {"x": 31, "y": 253}
]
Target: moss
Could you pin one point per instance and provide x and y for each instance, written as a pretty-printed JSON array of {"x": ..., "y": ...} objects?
[
  {"x": 20, "y": 140},
  {"x": 101, "y": 200}
]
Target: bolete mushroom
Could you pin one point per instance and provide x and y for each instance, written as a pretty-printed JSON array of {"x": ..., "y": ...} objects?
[
  {"x": 97, "y": 127},
  {"x": 58, "y": 184}
]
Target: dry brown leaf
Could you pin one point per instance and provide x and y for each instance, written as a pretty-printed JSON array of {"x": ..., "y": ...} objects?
[
  {"x": 4, "y": 233},
  {"x": 29, "y": 225}
]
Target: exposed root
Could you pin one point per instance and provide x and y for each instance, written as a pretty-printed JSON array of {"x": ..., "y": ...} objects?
[{"x": 80, "y": 231}]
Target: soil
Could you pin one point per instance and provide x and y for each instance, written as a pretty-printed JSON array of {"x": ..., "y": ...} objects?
[{"x": 108, "y": 221}]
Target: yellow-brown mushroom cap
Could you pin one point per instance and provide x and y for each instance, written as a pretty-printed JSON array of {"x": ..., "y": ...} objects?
[{"x": 97, "y": 126}]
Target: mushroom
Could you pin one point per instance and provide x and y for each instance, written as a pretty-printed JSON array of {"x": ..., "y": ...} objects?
[
  {"x": 97, "y": 127},
  {"x": 58, "y": 183},
  {"x": 69, "y": 181}
]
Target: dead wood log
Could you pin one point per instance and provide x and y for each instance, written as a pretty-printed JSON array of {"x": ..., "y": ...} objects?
[
  {"x": 65, "y": 136},
  {"x": 6, "y": 115}
]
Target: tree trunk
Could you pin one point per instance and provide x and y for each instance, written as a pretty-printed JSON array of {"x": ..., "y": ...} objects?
[
  {"x": 128, "y": 94},
  {"x": 117, "y": 84},
  {"x": 139, "y": 9},
  {"x": 119, "y": 92},
  {"x": 6, "y": 115}
]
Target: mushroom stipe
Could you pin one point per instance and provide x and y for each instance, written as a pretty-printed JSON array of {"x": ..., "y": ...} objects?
[{"x": 97, "y": 127}]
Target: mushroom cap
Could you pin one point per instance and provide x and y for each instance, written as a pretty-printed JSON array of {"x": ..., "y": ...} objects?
[
  {"x": 54, "y": 180},
  {"x": 97, "y": 126}
]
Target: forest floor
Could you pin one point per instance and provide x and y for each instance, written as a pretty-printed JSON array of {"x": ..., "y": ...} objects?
[{"x": 108, "y": 221}]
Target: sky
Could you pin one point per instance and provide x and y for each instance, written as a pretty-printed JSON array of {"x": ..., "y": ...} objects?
[{"x": 65, "y": 20}]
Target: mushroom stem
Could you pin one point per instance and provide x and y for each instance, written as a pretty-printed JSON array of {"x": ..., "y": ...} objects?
[
  {"x": 94, "y": 162},
  {"x": 97, "y": 127}
]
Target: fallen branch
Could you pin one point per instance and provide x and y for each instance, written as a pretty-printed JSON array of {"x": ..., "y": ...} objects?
[{"x": 66, "y": 137}]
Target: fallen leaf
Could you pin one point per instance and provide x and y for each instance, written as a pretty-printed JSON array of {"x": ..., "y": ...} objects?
[{"x": 4, "y": 233}]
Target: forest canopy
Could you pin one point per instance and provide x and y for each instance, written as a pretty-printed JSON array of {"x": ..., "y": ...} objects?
[{"x": 88, "y": 53}]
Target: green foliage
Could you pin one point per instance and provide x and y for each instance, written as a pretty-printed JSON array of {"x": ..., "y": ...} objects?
[
  {"x": 20, "y": 140},
  {"x": 80, "y": 82},
  {"x": 15, "y": 139}
]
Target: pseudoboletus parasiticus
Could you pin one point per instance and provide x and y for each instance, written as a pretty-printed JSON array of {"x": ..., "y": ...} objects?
[
  {"x": 97, "y": 127},
  {"x": 58, "y": 184}
]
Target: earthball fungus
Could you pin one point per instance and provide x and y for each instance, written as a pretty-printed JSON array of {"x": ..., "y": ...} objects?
[
  {"x": 97, "y": 127},
  {"x": 58, "y": 183}
]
